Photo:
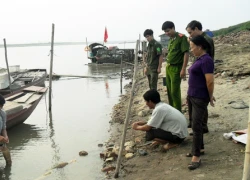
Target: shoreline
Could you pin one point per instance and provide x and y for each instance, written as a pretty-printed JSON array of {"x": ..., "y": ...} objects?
[{"x": 223, "y": 159}]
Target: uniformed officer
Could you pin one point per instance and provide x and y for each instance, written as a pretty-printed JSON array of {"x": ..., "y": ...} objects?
[
  {"x": 194, "y": 28},
  {"x": 154, "y": 59},
  {"x": 177, "y": 59}
]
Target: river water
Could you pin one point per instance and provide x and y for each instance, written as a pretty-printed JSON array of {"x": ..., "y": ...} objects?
[{"x": 81, "y": 110}]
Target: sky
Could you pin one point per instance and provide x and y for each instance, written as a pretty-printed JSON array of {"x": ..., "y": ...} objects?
[{"x": 30, "y": 21}]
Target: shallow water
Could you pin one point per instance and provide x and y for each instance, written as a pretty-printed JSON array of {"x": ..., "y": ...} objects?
[{"x": 81, "y": 111}]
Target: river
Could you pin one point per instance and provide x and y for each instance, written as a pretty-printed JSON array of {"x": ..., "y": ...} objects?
[{"x": 81, "y": 109}]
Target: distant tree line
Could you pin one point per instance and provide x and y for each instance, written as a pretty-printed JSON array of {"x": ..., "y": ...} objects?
[{"x": 231, "y": 29}]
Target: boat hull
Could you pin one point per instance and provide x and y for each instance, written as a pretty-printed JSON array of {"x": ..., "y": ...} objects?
[
  {"x": 40, "y": 82},
  {"x": 21, "y": 116}
]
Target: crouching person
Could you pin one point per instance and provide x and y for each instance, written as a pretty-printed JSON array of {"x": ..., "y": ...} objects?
[
  {"x": 167, "y": 125},
  {"x": 4, "y": 139}
]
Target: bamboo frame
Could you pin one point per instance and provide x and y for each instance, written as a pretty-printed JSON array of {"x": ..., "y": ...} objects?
[{"x": 7, "y": 65}]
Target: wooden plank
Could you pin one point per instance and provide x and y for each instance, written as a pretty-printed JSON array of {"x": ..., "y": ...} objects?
[
  {"x": 24, "y": 98},
  {"x": 11, "y": 97},
  {"x": 33, "y": 98},
  {"x": 36, "y": 89},
  {"x": 12, "y": 107}
]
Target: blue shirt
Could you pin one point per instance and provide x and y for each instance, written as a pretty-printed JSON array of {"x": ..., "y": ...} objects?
[{"x": 197, "y": 86}]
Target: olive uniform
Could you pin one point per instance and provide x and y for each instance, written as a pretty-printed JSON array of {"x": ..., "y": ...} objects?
[
  {"x": 154, "y": 51},
  {"x": 177, "y": 47},
  {"x": 210, "y": 41}
]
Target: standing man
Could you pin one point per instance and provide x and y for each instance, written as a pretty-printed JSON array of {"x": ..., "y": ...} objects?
[
  {"x": 154, "y": 59},
  {"x": 177, "y": 60},
  {"x": 166, "y": 125},
  {"x": 4, "y": 139},
  {"x": 194, "y": 28}
]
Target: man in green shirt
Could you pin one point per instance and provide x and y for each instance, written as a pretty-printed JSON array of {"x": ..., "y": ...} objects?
[
  {"x": 177, "y": 59},
  {"x": 154, "y": 59},
  {"x": 194, "y": 28}
]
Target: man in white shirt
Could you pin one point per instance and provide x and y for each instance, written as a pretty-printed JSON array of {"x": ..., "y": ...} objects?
[
  {"x": 4, "y": 139},
  {"x": 166, "y": 124}
]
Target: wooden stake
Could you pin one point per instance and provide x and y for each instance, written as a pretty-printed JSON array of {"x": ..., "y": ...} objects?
[
  {"x": 246, "y": 170},
  {"x": 7, "y": 65},
  {"x": 87, "y": 46},
  {"x": 51, "y": 66},
  {"x": 121, "y": 76},
  {"x": 127, "y": 114},
  {"x": 144, "y": 48}
]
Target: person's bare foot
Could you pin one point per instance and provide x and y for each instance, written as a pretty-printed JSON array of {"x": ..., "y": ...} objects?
[
  {"x": 155, "y": 143},
  {"x": 169, "y": 146},
  {"x": 161, "y": 141}
]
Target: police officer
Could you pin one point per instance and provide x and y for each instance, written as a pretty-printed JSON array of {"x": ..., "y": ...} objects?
[
  {"x": 194, "y": 28},
  {"x": 154, "y": 59},
  {"x": 177, "y": 59}
]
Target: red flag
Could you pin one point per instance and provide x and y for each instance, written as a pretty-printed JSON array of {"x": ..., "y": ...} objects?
[{"x": 105, "y": 35}]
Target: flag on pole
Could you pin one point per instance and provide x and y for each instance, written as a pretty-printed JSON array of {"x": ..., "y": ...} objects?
[{"x": 105, "y": 35}]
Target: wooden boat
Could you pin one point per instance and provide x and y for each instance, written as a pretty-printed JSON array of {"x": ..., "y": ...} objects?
[
  {"x": 20, "y": 105},
  {"x": 101, "y": 54},
  {"x": 21, "y": 80}
]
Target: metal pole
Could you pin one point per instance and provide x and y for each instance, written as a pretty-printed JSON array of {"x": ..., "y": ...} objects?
[
  {"x": 51, "y": 66},
  {"x": 7, "y": 65},
  {"x": 127, "y": 114},
  {"x": 246, "y": 170}
]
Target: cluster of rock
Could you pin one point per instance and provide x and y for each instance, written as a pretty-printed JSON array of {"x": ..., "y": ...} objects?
[
  {"x": 232, "y": 54},
  {"x": 234, "y": 38}
]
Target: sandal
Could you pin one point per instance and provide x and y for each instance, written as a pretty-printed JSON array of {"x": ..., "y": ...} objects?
[
  {"x": 191, "y": 155},
  {"x": 194, "y": 165}
]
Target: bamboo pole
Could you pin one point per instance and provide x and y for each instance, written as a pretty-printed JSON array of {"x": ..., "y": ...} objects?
[
  {"x": 139, "y": 42},
  {"x": 128, "y": 113},
  {"x": 51, "y": 66},
  {"x": 7, "y": 65},
  {"x": 246, "y": 170},
  {"x": 143, "y": 56},
  {"x": 87, "y": 46},
  {"x": 121, "y": 76}
]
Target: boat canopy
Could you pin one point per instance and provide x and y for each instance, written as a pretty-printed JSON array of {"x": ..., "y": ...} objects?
[{"x": 96, "y": 44}]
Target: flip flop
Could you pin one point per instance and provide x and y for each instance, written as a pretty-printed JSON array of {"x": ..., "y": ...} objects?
[
  {"x": 194, "y": 165},
  {"x": 191, "y": 155}
]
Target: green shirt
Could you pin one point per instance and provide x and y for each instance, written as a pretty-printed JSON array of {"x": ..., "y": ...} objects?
[
  {"x": 154, "y": 52},
  {"x": 210, "y": 51},
  {"x": 177, "y": 47}
]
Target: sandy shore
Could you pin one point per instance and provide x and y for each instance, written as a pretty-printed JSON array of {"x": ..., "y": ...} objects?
[{"x": 223, "y": 158}]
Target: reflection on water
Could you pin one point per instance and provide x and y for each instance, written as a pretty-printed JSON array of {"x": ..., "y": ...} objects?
[
  {"x": 79, "y": 120},
  {"x": 20, "y": 135}
]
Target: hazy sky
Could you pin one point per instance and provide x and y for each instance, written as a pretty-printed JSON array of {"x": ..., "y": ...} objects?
[{"x": 24, "y": 21}]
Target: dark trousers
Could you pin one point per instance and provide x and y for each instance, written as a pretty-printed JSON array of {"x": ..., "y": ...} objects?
[
  {"x": 161, "y": 134},
  {"x": 198, "y": 111},
  {"x": 205, "y": 118},
  {"x": 152, "y": 78}
]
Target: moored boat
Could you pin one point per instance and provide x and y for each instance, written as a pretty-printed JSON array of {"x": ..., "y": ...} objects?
[
  {"x": 20, "y": 105},
  {"x": 101, "y": 54},
  {"x": 21, "y": 79}
]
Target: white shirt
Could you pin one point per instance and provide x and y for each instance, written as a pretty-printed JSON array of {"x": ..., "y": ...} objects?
[{"x": 169, "y": 119}]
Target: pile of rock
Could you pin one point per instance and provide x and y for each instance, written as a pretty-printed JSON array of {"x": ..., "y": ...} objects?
[{"x": 241, "y": 37}]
